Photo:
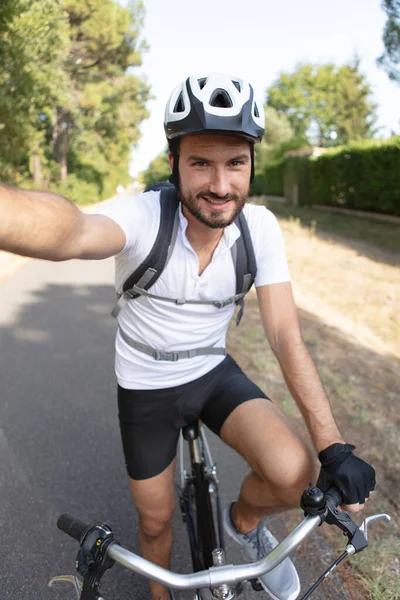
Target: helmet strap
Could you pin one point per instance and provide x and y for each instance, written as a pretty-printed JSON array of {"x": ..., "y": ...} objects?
[
  {"x": 174, "y": 177},
  {"x": 252, "y": 162}
]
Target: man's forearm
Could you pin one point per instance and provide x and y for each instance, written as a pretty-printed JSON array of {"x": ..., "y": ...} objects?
[
  {"x": 37, "y": 224},
  {"x": 306, "y": 387}
]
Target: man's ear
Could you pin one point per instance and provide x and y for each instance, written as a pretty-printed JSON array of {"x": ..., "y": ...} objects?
[{"x": 171, "y": 160}]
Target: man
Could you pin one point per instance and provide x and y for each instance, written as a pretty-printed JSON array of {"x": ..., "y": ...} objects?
[{"x": 212, "y": 124}]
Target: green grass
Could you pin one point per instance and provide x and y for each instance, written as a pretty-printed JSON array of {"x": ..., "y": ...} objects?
[
  {"x": 384, "y": 235},
  {"x": 380, "y": 568}
]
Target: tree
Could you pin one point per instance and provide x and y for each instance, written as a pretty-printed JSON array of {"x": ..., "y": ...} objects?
[
  {"x": 158, "y": 170},
  {"x": 325, "y": 103},
  {"x": 390, "y": 59},
  {"x": 99, "y": 123},
  {"x": 69, "y": 100},
  {"x": 278, "y": 131},
  {"x": 33, "y": 46}
]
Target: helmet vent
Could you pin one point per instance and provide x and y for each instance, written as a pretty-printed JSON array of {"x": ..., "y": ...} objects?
[
  {"x": 256, "y": 113},
  {"x": 202, "y": 82},
  {"x": 180, "y": 105},
  {"x": 221, "y": 99},
  {"x": 237, "y": 85}
]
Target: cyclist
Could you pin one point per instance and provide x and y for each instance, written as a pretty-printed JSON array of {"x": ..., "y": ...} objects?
[{"x": 212, "y": 124}]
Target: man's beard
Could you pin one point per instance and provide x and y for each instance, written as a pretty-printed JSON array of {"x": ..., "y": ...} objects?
[{"x": 215, "y": 220}]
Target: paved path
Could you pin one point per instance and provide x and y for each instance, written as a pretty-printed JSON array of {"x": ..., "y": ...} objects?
[{"x": 59, "y": 441}]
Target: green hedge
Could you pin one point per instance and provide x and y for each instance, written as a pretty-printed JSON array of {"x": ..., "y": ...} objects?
[
  {"x": 274, "y": 178},
  {"x": 270, "y": 181},
  {"x": 363, "y": 176},
  {"x": 297, "y": 170}
]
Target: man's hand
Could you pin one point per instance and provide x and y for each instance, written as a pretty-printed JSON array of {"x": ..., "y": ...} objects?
[{"x": 353, "y": 477}]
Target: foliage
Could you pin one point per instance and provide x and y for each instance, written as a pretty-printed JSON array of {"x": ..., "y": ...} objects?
[
  {"x": 158, "y": 170},
  {"x": 278, "y": 132},
  {"x": 274, "y": 177},
  {"x": 364, "y": 176},
  {"x": 106, "y": 104},
  {"x": 325, "y": 102},
  {"x": 33, "y": 46},
  {"x": 269, "y": 181},
  {"x": 296, "y": 176},
  {"x": 77, "y": 190},
  {"x": 69, "y": 101},
  {"x": 390, "y": 59}
]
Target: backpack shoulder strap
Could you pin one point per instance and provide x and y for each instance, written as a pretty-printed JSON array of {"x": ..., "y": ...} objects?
[
  {"x": 151, "y": 268},
  {"x": 245, "y": 262},
  {"x": 146, "y": 274}
]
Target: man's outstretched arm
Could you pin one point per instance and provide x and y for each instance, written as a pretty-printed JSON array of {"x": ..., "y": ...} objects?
[{"x": 49, "y": 226}]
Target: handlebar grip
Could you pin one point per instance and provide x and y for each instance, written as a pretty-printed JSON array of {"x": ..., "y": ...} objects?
[
  {"x": 72, "y": 527},
  {"x": 334, "y": 497}
]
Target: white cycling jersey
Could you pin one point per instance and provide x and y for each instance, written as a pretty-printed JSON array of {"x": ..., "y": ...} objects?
[{"x": 172, "y": 327}]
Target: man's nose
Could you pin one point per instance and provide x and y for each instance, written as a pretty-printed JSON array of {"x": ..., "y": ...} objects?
[{"x": 220, "y": 182}]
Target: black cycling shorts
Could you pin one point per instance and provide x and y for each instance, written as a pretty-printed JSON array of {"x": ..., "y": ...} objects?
[{"x": 150, "y": 420}]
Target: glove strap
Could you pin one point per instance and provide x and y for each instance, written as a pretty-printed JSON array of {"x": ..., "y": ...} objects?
[{"x": 331, "y": 453}]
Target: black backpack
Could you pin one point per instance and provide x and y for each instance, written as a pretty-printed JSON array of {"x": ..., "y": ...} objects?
[{"x": 146, "y": 274}]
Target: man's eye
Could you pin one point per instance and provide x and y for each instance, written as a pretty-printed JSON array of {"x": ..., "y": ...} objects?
[
  {"x": 237, "y": 163},
  {"x": 199, "y": 163}
]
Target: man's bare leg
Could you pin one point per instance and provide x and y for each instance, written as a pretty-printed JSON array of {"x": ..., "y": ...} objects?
[
  {"x": 154, "y": 500},
  {"x": 282, "y": 466}
]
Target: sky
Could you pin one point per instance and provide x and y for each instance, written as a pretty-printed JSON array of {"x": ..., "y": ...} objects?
[{"x": 256, "y": 40}]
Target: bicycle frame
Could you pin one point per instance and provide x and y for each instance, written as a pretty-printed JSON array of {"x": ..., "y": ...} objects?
[{"x": 199, "y": 486}]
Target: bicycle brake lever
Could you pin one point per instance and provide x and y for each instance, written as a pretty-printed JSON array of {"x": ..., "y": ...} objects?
[
  {"x": 356, "y": 536},
  {"x": 76, "y": 582},
  {"x": 368, "y": 520}
]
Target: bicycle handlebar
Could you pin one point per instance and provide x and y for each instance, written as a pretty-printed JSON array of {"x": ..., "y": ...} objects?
[{"x": 215, "y": 576}]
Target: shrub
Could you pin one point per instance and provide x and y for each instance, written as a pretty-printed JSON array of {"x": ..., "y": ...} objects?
[
  {"x": 269, "y": 181},
  {"x": 77, "y": 190},
  {"x": 274, "y": 177},
  {"x": 362, "y": 176},
  {"x": 297, "y": 171}
]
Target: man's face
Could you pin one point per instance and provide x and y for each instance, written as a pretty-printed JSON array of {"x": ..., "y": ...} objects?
[{"x": 214, "y": 176}]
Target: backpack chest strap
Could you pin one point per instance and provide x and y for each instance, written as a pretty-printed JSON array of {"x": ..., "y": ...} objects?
[{"x": 170, "y": 356}]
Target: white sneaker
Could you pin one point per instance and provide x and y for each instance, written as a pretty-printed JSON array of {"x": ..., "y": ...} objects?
[{"x": 282, "y": 583}]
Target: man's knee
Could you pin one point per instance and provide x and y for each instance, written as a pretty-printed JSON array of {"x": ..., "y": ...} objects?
[
  {"x": 154, "y": 501},
  {"x": 155, "y": 521},
  {"x": 296, "y": 473}
]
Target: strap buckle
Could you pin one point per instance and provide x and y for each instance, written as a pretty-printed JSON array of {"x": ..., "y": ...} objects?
[
  {"x": 169, "y": 356},
  {"x": 222, "y": 303}
]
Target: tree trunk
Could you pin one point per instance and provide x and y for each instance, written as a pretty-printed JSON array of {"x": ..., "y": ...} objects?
[
  {"x": 61, "y": 140},
  {"x": 63, "y": 157},
  {"x": 37, "y": 173}
]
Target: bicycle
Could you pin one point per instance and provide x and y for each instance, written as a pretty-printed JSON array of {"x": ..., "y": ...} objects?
[{"x": 200, "y": 505}]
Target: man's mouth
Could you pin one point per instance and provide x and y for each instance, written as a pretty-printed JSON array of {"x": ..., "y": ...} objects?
[{"x": 216, "y": 202}]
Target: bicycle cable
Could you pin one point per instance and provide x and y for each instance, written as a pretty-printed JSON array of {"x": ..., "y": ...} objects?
[{"x": 325, "y": 575}]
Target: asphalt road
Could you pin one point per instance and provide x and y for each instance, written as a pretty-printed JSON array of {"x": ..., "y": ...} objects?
[{"x": 59, "y": 441}]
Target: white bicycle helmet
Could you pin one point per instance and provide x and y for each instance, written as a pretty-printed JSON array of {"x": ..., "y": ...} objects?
[{"x": 217, "y": 103}]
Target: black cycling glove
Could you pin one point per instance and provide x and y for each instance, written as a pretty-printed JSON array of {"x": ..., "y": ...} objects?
[{"x": 353, "y": 477}]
